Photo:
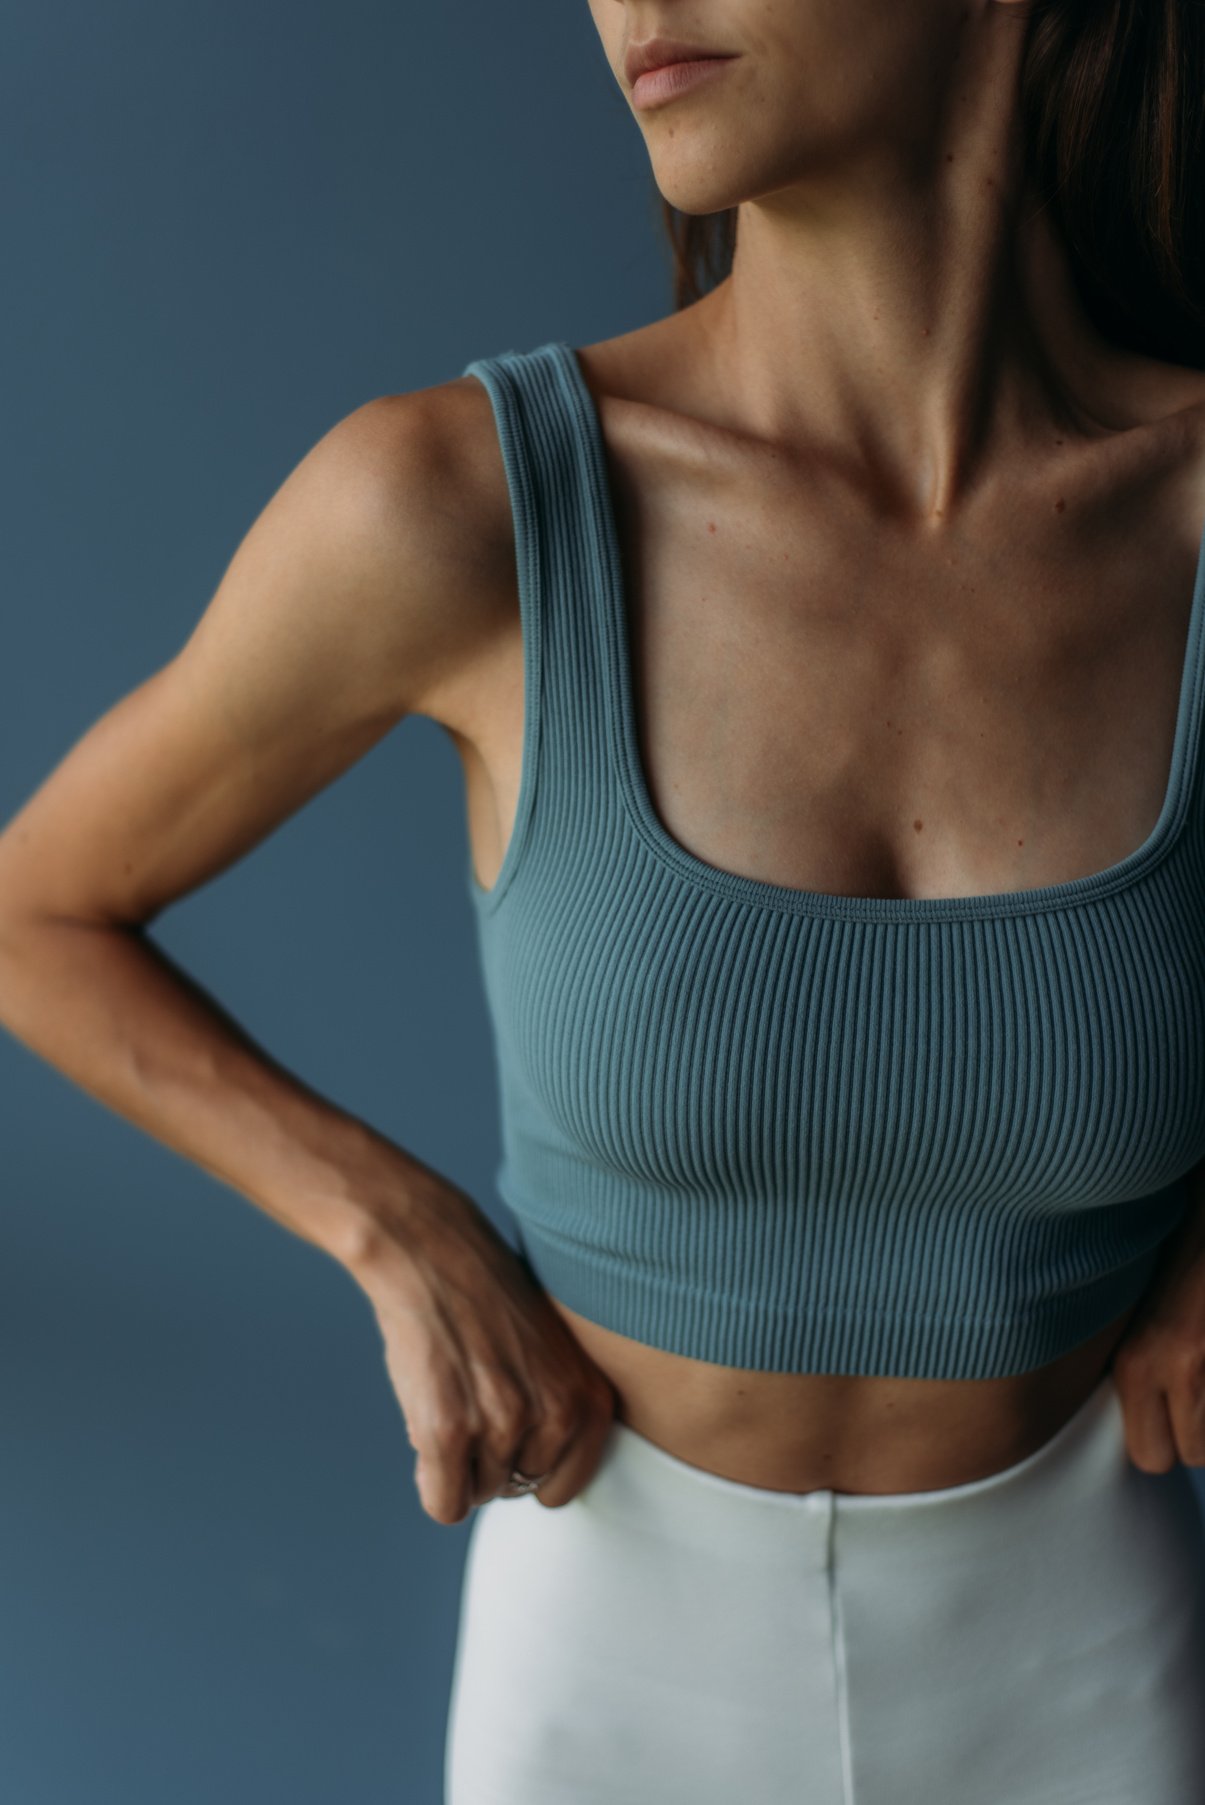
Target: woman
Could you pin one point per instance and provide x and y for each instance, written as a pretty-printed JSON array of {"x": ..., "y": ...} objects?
[{"x": 827, "y": 661}]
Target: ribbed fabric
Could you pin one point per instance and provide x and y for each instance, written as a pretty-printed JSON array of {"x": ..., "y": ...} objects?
[{"x": 799, "y": 1132}]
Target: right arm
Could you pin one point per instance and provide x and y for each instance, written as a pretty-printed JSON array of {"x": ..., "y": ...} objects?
[
  {"x": 352, "y": 600},
  {"x": 324, "y": 631}
]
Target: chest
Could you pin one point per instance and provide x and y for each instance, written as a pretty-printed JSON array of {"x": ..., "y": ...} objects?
[
  {"x": 783, "y": 918},
  {"x": 829, "y": 700},
  {"x": 893, "y": 713}
]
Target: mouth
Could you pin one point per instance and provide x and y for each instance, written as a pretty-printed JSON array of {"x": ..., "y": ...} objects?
[
  {"x": 668, "y": 80},
  {"x": 661, "y": 53}
]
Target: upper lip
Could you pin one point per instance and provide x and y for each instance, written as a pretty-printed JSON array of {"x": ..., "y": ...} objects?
[{"x": 654, "y": 53}]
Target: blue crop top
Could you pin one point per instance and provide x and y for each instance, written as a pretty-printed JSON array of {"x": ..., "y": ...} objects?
[{"x": 779, "y": 1129}]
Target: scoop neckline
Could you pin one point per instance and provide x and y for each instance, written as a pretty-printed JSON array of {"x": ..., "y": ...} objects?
[{"x": 763, "y": 892}]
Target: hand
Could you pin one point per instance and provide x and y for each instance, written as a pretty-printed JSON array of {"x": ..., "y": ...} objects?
[
  {"x": 488, "y": 1375},
  {"x": 1159, "y": 1363}
]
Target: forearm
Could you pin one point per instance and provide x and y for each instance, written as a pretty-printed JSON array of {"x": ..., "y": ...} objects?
[{"x": 109, "y": 1009}]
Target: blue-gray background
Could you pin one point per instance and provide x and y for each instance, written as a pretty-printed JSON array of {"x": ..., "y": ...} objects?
[{"x": 224, "y": 226}]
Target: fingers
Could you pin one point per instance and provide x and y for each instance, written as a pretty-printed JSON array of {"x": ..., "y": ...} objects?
[
  {"x": 1148, "y": 1430},
  {"x": 1186, "y": 1408},
  {"x": 461, "y": 1466},
  {"x": 443, "y": 1472},
  {"x": 507, "y": 1439},
  {"x": 1160, "y": 1379},
  {"x": 562, "y": 1449},
  {"x": 444, "y": 1423},
  {"x": 580, "y": 1460}
]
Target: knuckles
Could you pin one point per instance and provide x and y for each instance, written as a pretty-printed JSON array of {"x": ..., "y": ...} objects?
[{"x": 446, "y": 1434}]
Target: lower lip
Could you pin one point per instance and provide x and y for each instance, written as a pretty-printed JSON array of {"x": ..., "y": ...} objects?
[{"x": 672, "y": 79}]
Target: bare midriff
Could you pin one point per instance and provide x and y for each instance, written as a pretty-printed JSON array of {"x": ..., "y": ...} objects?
[{"x": 798, "y": 1432}]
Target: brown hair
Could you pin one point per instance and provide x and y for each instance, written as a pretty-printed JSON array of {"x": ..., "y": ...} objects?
[{"x": 1113, "y": 108}]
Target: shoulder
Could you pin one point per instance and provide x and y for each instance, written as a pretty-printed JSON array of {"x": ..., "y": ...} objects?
[
  {"x": 431, "y": 454},
  {"x": 1190, "y": 417},
  {"x": 1162, "y": 401},
  {"x": 409, "y": 491},
  {"x": 1178, "y": 421}
]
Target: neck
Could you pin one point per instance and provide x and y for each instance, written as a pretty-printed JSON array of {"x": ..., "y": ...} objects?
[{"x": 915, "y": 315}]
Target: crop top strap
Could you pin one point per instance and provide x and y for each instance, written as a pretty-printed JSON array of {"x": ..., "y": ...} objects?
[{"x": 560, "y": 558}]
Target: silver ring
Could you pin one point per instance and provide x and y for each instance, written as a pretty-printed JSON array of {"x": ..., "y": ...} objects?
[{"x": 524, "y": 1482}]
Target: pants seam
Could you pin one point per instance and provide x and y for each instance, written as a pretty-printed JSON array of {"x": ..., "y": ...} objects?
[{"x": 837, "y": 1649}]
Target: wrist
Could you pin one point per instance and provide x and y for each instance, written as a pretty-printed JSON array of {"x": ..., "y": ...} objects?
[{"x": 369, "y": 1200}]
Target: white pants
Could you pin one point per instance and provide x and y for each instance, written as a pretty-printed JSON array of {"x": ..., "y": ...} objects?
[{"x": 670, "y": 1637}]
